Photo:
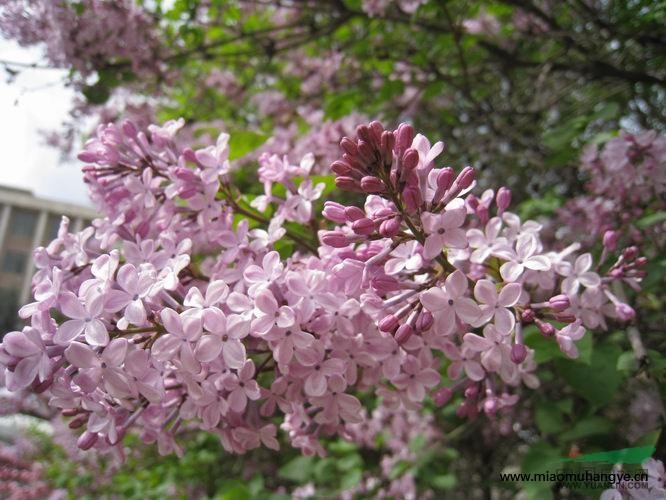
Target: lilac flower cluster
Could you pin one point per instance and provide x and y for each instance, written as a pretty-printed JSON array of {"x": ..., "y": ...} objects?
[
  {"x": 176, "y": 311},
  {"x": 85, "y": 35},
  {"x": 627, "y": 181}
]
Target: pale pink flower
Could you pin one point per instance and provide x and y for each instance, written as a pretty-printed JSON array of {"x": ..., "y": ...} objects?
[
  {"x": 524, "y": 257},
  {"x": 580, "y": 274},
  {"x": 260, "y": 277},
  {"x": 28, "y": 347},
  {"x": 449, "y": 302},
  {"x": 444, "y": 230},
  {"x": 181, "y": 332},
  {"x": 104, "y": 369},
  {"x": 269, "y": 314},
  {"x": 242, "y": 387},
  {"x": 568, "y": 335},
  {"x": 494, "y": 305},
  {"x": 406, "y": 257},
  {"x": 487, "y": 242},
  {"x": 84, "y": 319},
  {"x": 415, "y": 379},
  {"x": 227, "y": 333}
]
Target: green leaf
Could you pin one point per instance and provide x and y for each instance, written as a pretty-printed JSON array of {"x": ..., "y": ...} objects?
[
  {"x": 650, "y": 439},
  {"x": 606, "y": 111},
  {"x": 243, "y": 142},
  {"x": 587, "y": 427},
  {"x": 558, "y": 138},
  {"x": 538, "y": 491},
  {"x": 349, "y": 462},
  {"x": 417, "y": 443},
  {"x": 539, "y": 458},
  {"x": 598, "y": 381},
  {"x": 545, "y": 349},
  {"x": 400, "y": 468},
  {"x": 444, "y": 482},
  {"x": 565, "y": 405},
  {"x": 351, "y": 478},
  {"x": 627, "y": 362},
  {"x": 297, "y": 470},
  {"x": 651, "y": 220},
  {"x": 98, "y": 93},
  {"x": 548, "y": 418}
]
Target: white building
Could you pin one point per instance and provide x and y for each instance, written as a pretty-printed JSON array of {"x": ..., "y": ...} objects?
[{"x": 27, "y": 222}]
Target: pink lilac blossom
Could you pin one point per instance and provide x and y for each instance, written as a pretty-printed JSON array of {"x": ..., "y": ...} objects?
[
  {"x": 170, "y": 313},
  {"x": 94, "y": 34},
  {"x": 626, "y": 182}
]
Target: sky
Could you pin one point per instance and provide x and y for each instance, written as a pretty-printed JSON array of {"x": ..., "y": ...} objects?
[{"x": 36, "y": 100}]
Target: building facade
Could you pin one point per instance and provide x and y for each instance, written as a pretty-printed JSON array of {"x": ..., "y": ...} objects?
[{"x": 27, "y": 222}]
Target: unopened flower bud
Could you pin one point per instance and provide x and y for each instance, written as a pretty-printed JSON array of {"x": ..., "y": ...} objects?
[
  {"x": 630, "y": 253},
  {"x": 503, "y": 199},
  {"x": 471, "y": 392},
  {"x": 405, "y": 136},
  {"x": 412, "y": 197},
  {"x": 363, "y": 133},
  {"x": 87, "y": 440},
  {"x": 129, "y": 129},
  {"x": 388, "y": 143},
  {"x": 424, "y": 321},
  {"x": 385, "y": 212},
  {"x": 472, "y": 202},
  {"x": 410, "y": 159},
  {"x": 518, "y": 353},
  {"x": 442, "y": 396},
  {"x": 565, "y": 317},
  {"x": 390, "y": 227},
  {"x": 376, "y": 131},
  {"x": 618, "y": 272},
  {"x": 625, "y": 312},
  {"x": 482, "y": 212},
  {"x": 490, "y": 406},
  {"x": 354, "y": 213},
  {"x": 335, "y": 239},
  {"x": 527, "y": 315},
  {"x": 190, "y": 155},
  {"x": 403, "y": 333},
  {"x": 366, "y": 153},
  {"x": 385, "y": 284},
  {"x": 641, "y": 261},
  {"x": 348, "y": 184},
  {"x": 389, "y": 323},
  {"x": 78, "y": 422},
  {"x": 610, "y": 239},
  {"x": 40, "y": 387},
  {"x": 88, "y": 156},
  {"x": 364, "y": 226},
  {"x": 546, "y": 329},
  {"x": 348, "y": 146},
  {"x": 334, "y": 212},
  {"x": 465, "y": 178},
  {"x": 559, "y": 302},
  {"x": 341, "y": 168},
  {"x": 371, "y": 184},
  {"x": 444, "y": 181}
]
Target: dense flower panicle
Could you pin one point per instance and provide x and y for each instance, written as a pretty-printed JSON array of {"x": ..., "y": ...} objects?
[
  {"x": 170, "y": 312},
  {"x": 626, "y": 182},
  {"x": 95, "y": 32}
]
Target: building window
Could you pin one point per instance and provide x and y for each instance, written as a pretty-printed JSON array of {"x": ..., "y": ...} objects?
[
  {"x": 9, "y": 320},
  {"x": 23, "y": 223},
  {"x": 52, "y": 227},
  {"x": 14, "y": 262}
]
